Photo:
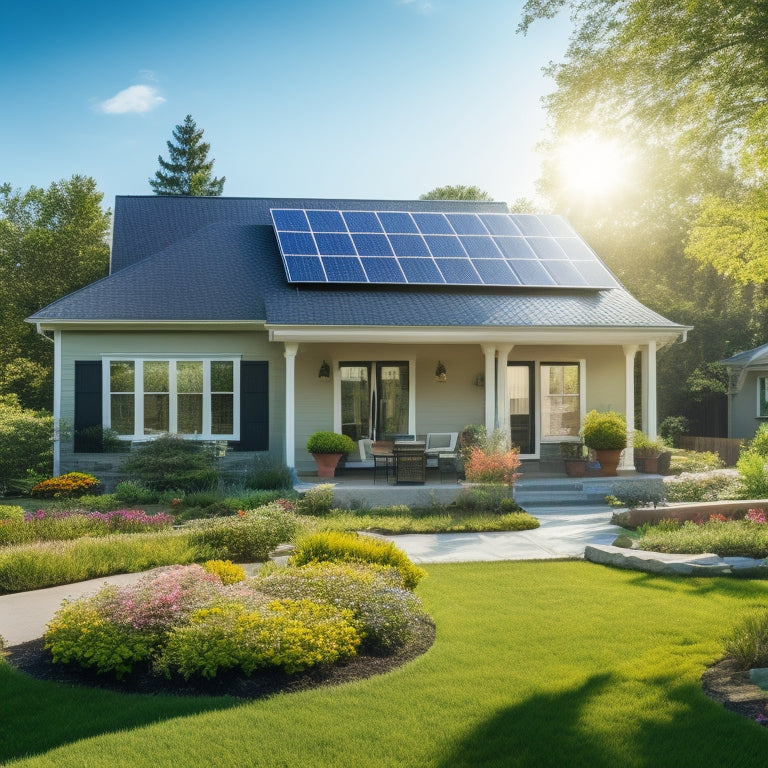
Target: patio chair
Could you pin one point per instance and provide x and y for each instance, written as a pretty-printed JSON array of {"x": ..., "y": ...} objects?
[
  {"x": 441, "y": 442},
  {"x": 410, "y": 463},
  {"x": 383, "y": 458}
]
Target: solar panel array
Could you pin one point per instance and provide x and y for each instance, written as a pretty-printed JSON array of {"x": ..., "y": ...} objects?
[{"x": 420, "y": 248}]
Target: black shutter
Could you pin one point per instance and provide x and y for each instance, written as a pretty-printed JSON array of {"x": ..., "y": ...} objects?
[
  {"x": 88, "y": 427},
  {"x": 254, "y": 406}
]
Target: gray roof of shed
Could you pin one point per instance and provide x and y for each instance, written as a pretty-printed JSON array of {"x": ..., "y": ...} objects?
[{"x": 187, "y": 258}]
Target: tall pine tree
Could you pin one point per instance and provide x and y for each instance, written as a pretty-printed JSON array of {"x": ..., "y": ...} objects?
[{"x": 188, "y": 170}]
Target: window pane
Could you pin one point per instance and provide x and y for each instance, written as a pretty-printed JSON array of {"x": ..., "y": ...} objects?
[
  {"x": 189, "y": 376},
  {"x": 121, "y": 412},
  {"x": 393, "y": 400},
  {"x": 560, "y": 404},
  {"x": 121, "y": 377},
  {"x": 189, "y": 419},
  {"x": 355, "y": 401},
  {"x": 155, "y": 414},
  {"x": 762, "y": 396},
  {"x": 222, "y": 414},
  {"x": 156, "y": 376},
  {"x": 222, "y": 376}
]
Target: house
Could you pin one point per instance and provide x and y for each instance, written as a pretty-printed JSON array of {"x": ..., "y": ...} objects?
[
  {"x": 747, "y": 392},
  {"x": 259, "y": 321}
]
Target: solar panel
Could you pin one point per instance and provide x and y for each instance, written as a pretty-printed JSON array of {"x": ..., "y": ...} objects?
[{"x": 430, "y": 248}]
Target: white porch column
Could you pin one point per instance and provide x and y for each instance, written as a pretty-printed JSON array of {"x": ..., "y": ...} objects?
[
  {"x": 650, "y": 413},
  {"x": 630, "y": 350},
  {"x": 502, "y": 388},
  {"x": 56, "y": 403},
  {"x": 291, "y": 348},
  {"x": 489, "y": 350}
]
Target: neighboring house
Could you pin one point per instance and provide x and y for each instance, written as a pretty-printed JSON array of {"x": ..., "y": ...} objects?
[
  {"x": 258, "y": 322},
  {"x": 747, "y": 392}
]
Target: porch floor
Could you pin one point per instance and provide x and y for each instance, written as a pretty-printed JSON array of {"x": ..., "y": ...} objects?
[{"x": 355, "y": 488}]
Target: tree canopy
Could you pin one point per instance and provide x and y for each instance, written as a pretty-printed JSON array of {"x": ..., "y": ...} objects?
[
  {"x": 52, "y": 242},
  {"x": 457, "y": 192},
  {"x": 188, "y": 170}
]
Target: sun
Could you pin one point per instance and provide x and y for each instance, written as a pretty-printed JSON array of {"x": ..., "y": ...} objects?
[{"x": 592, "y": 165}]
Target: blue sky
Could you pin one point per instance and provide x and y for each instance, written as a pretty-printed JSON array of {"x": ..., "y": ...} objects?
[{"x": 331, "y": 98}]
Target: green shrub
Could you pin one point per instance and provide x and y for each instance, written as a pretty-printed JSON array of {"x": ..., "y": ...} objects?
[
  {"x": 639, "y": 493},
  {"x": 759, "y": 443},
  {"x": 623, "y": 541},
  {"x": 170, "y": 463},
  {"x": 8, "y": 512},
  {"x": 488, "y": 497},
  {"x": 247, "y": 537},
  {"x": 269, "y": 473},
  {"x": 748, "y": 643},
  {"x": 26, "y": 441},
  {"x": 318, "y": 500},
  {"x": 226, "y": 570},
  {"x": 78, "y": 633},
  {"x": 350, "y": 547},
  {"x": 604, "y": 430},
  {"x": 672, "y": 427},
  {"x": 292, "y": 635},
  {"x": 330, "y": 442},
  {"x": 753, "y": 473},
  {"x": 131, "y": 492},
  {"x": 385, "y": 613}
]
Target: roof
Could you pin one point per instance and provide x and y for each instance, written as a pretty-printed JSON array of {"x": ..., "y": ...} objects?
[
  {"x": 758, "y": 355},
  {"x": 215, "y": 258}
]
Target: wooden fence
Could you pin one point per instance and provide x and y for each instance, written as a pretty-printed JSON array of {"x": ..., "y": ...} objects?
[{"x": 728, "y": 448}]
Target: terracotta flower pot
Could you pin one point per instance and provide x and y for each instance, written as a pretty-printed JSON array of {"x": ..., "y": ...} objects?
[
  {"x": 575, "y": 467},
  {"x": 326, "y": 463},
  {"x": 609, "y": 460}
]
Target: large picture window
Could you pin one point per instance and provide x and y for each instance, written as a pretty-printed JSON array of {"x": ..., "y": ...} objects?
[
  {"x": 189, "y": 397},
  {"x": 560, "y": 400}
]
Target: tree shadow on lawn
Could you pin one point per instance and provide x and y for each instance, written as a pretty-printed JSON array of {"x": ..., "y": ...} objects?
[
  {"x": 732, "y": 586},
  {"x": 549, "y": 729},
  {"x": 36, "y": 715}
]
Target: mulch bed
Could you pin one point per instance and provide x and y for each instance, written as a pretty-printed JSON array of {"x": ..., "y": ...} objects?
[
  {"x": 35, "y": 661},
  {"x": 727, "y": 684}
]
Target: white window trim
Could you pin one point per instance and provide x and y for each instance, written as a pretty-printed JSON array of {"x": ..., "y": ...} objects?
[
  {"x": 138, "y": 392},
  {"x": 582, "y": 363}
]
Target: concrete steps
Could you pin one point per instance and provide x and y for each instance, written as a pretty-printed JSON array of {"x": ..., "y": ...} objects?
[{"x": 548, "y": 491}]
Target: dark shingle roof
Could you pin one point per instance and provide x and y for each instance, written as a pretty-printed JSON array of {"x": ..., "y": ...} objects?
[{"x": 193, "y": 258}]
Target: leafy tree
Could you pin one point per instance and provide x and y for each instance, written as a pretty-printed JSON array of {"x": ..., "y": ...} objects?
[
  {"x": 457, "y": 192},
  {"x": 695, "y": 70},
  {"x": 188, "y": 171},
  {"x": 52, "y": 242}
]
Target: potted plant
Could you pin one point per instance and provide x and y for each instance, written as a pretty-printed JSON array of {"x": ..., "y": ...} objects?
[
  {"x": 647, "y": 453},
  {"x": 327, "y": 448},
  {"x": 606, "y": 434},
  {"x": 575, "y": 460}
]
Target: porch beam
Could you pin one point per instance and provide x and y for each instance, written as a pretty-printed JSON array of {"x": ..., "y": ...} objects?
[{"x": 290, "y": 402}]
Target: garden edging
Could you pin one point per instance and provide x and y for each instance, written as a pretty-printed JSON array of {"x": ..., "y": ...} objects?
[{"x": 706, "y": 564}]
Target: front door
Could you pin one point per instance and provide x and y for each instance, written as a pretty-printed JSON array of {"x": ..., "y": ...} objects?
[
  {"x": 374, "y": 399},
  {"x": 522, "y": 422}
]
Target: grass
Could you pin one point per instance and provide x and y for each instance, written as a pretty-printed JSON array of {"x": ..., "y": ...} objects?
[
  {"x": 535, "y": 665},
  {"x": 736, "y": 538}
]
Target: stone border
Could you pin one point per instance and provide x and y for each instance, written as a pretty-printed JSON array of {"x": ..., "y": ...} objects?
[{"x": 706, "y": 564}]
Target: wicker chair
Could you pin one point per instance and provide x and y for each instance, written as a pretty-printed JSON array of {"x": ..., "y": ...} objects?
[
  {"x": 383, "y": 459},
  {"x": 410, "y": 463}
]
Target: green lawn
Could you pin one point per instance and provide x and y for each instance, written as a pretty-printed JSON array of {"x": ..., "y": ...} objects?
[{"x": 560, "y": 663}]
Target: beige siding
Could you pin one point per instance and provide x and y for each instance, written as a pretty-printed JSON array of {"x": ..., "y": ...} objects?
[{"x": 82, "y": 345}]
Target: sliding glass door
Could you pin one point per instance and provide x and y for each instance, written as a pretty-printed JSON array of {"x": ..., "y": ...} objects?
[{"x": 374, "y": 399}]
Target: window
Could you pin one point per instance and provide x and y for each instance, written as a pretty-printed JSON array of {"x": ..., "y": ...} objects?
[
  {"x": 560, "y": 400},
  {"x": 194, "y": 397},
  {"x": 762, "y": 397}
]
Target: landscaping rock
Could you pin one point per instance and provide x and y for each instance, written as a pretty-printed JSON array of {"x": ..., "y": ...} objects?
[
  {"x": 759, "y": 677},
  {"x": 705, "y": 564}
]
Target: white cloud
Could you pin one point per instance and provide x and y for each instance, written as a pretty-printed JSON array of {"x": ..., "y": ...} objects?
[
  {"x": 423, "y": 6},
  {"x": 136, "y": 98}
]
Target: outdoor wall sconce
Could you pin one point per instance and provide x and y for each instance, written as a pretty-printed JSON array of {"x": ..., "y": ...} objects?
[
  {"x": 480, "y": 380},
  {"x": 325, "y": 372},
  {"x": 441, "y": 374}
]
